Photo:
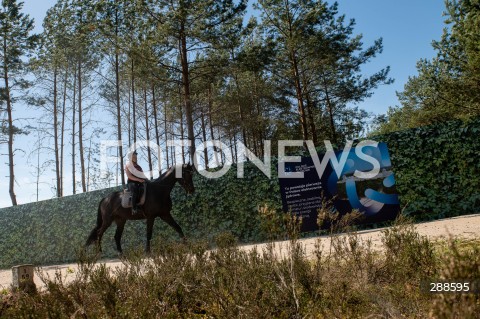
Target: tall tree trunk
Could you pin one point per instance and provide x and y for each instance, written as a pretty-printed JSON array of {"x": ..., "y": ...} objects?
[
  {"x": 55, "y": 131},
  {"x": 186, "y": 91},
  {"x": 117, "y": 98},
  {"x": 260, "y": 131},
  {"x": 298, "y": 89},
  {"x": 155, "y": 118},
  {"x": 173, "y": 150},
  {"x": 311, "y": 120},
  {"x": 134, "y": 120},
  {"x": 129, "y": 115},
  {"x": 210, "y": 108},
  {"x": 333, "y": 131},
  {"x": 182, "y": 133},
  {"x": 295, "y": 74},
  {"x": 242, "y": 122},
  {"x": 62, "y": 133},
  {"x": 204, "y": 134},
  {"x": 240, "y": 112},
  {"x": 88, "y": 163},
  {"x": 80, "y": 127},
  {"x": 231, "y": 148},
  {"x": 235, "y": 147},
  {"x": 11, "y": 187},
  {"x": 37, "y": 181},
  {"x": 149, "y": 150},
  {"x": 222, "y": 156},
  {"x": 165, "y": 123},
  {"x": 74, "y": 182},
  {"x": 255, "y": 143}
]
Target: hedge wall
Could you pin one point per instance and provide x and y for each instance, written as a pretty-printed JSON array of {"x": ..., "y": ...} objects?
[
  {"x": 436, "y": 169},
  {"x": 52, "y": 231}
]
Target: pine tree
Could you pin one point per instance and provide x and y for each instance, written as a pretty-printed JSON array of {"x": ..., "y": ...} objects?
[
  {"x": 16, "y": 41},
  {"x": 336, "y": 75},
  {"x": 318, "y": 62},
  {"x": 114, "y": 20},
  {"x": 51, "y": 69},
  {"x": 285, "y": 22},
  {"x": 188, "y": 28}
]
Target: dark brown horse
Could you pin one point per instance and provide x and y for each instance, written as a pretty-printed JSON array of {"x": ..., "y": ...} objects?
[{"x": 158, "y": 203}]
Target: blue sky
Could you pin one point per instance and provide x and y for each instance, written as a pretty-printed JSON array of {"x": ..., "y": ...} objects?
[{"x": 407, "y": 28}]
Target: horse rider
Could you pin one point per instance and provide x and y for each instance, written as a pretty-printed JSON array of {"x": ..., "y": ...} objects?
[{"x": 136, "y": 177}]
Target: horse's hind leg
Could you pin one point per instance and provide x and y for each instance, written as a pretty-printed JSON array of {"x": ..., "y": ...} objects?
[
  {"x": 118, "y": 233},
  {"x": 169, "y": 220},
  {"x": 106, "y": 223}
]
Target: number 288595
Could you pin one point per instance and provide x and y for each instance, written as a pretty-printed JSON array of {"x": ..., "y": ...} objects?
[{"x": 451, "y": 286}]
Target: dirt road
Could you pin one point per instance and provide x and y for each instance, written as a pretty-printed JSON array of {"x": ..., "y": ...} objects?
[{"x": 467, "y": 227}]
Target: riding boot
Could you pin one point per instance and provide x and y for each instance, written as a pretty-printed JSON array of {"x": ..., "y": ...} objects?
[{"x": 134, "y": 199}]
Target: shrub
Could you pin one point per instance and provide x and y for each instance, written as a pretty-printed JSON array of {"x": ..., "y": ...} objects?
[{"x": 187, "y": 280}]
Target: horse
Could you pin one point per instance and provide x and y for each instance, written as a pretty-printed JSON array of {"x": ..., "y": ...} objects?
[{"x": 158, "y": 203}]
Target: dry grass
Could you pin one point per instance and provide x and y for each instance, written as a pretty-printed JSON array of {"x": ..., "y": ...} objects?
[{"x": 188, "y": 281}]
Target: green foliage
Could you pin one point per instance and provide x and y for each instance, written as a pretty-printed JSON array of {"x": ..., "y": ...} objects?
[
  {"x": 318, "y": 54},
  {"x": 15, "y": 40},
  {"x": 437, "y": 168},
  {"x": 406, "y": 251},
  {"x": 227, "y": 204}
]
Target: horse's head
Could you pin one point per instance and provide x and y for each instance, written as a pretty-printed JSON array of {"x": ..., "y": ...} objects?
[{"x": 187, "y": 178}]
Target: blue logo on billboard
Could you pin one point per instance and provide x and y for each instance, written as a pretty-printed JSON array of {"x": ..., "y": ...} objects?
[{"x": 367, "y": 195}]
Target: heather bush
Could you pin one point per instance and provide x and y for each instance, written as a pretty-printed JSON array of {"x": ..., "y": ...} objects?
[{"x": 192, "y": 280}]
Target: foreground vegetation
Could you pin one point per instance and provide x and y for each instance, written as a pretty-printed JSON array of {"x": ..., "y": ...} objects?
[{"x": 350, "y": 280}]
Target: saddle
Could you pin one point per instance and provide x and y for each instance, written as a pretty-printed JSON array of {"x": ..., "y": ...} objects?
[{"x": 126, "y": 197}]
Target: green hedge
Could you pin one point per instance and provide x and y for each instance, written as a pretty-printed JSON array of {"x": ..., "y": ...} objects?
[
  {"x": 436, "y": 167},
  {"x": 52, "y": 231}
]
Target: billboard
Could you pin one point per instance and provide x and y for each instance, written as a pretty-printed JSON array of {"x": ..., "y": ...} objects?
[{"x": 375, "y": 198}]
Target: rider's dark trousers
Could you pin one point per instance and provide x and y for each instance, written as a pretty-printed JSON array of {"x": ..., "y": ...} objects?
[{"x": 134, "y": 188}]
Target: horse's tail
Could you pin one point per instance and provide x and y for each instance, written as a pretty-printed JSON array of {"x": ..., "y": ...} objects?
[{"x": 94, "y": 234}]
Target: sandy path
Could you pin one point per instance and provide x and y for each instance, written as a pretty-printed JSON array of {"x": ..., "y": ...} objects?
[{"x": 467, "y": 227}]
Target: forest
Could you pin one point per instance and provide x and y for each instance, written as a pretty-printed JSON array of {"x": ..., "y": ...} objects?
[{"x": 208, "y": 70}]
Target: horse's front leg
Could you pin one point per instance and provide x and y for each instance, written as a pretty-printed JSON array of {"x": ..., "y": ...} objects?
[
  {"x": 170, "y": 221},
  {"x": 118, "y": 234},
  {"x": 150, "y": 221}
]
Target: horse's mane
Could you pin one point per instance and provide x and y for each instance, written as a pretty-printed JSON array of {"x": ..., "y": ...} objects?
[{"x": 162, "y": 177}]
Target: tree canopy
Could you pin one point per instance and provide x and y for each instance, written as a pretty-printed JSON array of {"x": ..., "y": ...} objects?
[{"x": 188, "y": 70}]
